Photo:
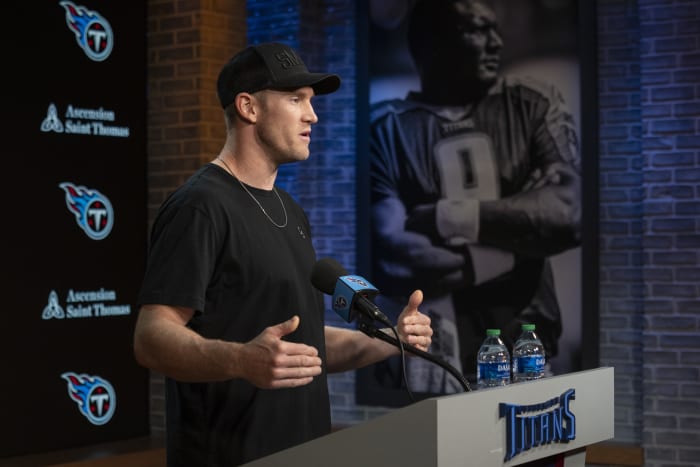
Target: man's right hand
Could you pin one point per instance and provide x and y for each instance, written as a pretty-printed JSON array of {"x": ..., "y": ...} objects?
[{"x": 269, "y": 362}]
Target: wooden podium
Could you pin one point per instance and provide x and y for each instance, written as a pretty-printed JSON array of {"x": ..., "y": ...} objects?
[{"x": 555, "y": 417}]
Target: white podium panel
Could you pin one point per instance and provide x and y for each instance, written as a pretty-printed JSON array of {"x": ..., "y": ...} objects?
[{"x": 505, "y": 426}]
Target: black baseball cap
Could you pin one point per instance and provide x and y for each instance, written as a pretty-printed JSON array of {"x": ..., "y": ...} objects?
[{"x": 269, "y": 65}]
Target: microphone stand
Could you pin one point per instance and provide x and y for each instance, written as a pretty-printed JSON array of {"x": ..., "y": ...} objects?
[{"x": 365, "y": 325}]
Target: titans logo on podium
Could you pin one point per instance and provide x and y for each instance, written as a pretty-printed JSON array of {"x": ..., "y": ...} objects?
[{"x": 528, "y": 426}]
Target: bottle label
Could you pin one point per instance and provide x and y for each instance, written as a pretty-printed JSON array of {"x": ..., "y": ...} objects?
[
  {"x": 494, "y": 371},
  {"x": 530, "y": 364}
]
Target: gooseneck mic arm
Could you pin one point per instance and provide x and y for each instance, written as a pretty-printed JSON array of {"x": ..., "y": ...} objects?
[
  {"x": 352, "y": 301},
  {"x": 366, "y": 326}
]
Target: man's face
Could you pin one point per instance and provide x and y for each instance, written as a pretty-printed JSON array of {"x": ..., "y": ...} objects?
[
  {"x": 476, "y": 43},
  {"x": 284, "y": 124}
]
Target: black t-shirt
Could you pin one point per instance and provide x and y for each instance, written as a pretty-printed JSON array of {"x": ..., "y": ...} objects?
[{"x": 214, "y": 250}]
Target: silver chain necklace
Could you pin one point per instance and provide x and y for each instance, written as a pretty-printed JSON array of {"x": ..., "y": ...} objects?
[{"x": 284, "y": 224}]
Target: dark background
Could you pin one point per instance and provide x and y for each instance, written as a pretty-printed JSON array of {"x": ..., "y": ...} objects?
[{"x": 44, "y": 249}]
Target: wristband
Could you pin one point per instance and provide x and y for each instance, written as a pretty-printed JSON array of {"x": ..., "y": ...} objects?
[{"x": 458, "y": 218}]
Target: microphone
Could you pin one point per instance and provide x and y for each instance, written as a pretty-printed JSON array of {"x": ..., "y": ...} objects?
[{"x": 351, "y": 293}]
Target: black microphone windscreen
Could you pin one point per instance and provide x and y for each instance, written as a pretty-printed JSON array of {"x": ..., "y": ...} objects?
[{"x": 325, "y": 274}]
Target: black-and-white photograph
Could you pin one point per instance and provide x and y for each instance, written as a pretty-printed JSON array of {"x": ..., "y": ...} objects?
[{"x": 475, "y": 179}]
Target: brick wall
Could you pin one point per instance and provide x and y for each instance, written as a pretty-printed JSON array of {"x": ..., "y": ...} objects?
[
  {"x": 670, "y": 97},
  {"x": 649, "y": 52},
  {"x": 621, "y": 204}
]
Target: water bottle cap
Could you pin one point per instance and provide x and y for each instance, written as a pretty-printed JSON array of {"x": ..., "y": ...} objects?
[
  {"x": 528, "y": 327},
  {"x": 493, "y": 332}
]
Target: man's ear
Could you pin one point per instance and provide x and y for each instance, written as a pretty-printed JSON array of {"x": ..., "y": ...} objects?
[{"x": 246, "y": 107}]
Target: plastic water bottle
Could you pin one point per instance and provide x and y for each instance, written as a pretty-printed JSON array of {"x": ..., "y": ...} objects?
[
  {"x": 528, "y": 355},
  {"x": 493, "y": 361}
]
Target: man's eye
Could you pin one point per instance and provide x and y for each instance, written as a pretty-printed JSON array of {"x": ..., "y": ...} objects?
[{"x": 484, "y": 29}]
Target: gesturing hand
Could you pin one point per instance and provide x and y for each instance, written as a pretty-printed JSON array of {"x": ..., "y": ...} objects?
[
  {"x": 270, "y": 362},
  {"x": 413, "y": 326}
]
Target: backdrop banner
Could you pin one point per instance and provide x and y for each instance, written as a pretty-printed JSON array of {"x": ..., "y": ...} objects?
[
  {"x": 474, "y": 171},
  {"x": 74, "y": 138}
]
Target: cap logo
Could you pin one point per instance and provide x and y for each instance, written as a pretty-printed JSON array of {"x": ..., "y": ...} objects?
[{"x": 287, "y": 60}]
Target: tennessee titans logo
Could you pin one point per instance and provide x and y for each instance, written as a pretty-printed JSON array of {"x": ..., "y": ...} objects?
[
  {"x": 530, "y": 426},
  {"x": 357, "y": 280},
  {"x": 95, "y": 397},
  {"x": 92, "y": 32},
  {"x": 93, "y": 211},
  {"x": 340, "y": 303}
]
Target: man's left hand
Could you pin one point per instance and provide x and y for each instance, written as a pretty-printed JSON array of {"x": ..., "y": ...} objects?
[{"x": 413, "y": 326}]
